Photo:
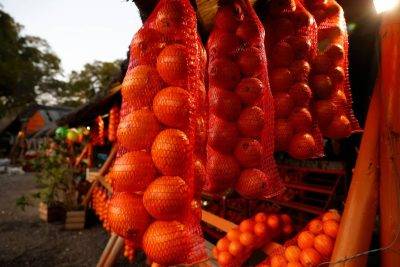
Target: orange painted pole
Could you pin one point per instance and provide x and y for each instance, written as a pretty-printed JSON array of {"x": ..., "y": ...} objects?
[
  {"x": 390, "y": 139},
  {"x": 358, "y": 218}
]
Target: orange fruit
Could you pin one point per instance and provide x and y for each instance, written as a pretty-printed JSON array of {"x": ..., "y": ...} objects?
[
  {"x": 224, "y": 258},
  {"x": 223, "y": 244},
  {"x": 300, "y": 70},
  {"x": 233, "y": 234},
  {"x": 282, "y": 55},
  {"x": 137, "y": 130},
  {"x": 222, "y": 170},
  {"x": 247, "y": 239},
  {"x": 274, "y": 224},
  {"x": 228, "y": 18},
  {"x": 301, "y": 94},
  {"x": 301, "y": 18},
  {"x": 310, "y": 257},
  {"x": 249, "y": 90},
  {"x": 224, "y": 104},
  {"x": 261, "y": 217},
  {"x": 294, "y": 264},
  {"x": 283, "y": 104},
  {"x": 166, "y": 242},
  {"x": 236, "y": 248},
  {"x": 301, "y": 120},
  {"x": 292, "y": 253},
  {"x": 331, "y": 215},
  {"x": 283, "y": 134},
  {"x": 337, "y": 75},
  {"x": 140, "y": 85},
  {"x": 301, "y": 46},
  {"x": 260, "y": 230},
  {"x": 215, "y": 252},
  {"x": 286, "y": 219},
  {"x": 171, "y": 107},
  {"x": 322, "y": 86},
  {"x": 278, "y": 261},
  {"x": 279, "y": 7},
  {"x": 146, "y": 45},
  {"x": 322, "y": 64},
  {"x": 335, "y": 52},
  {"x": 340, "y": 100},
  {"x": 340, "y": 127},
  {"x": 127, "y": 216},
  {"x": 224, "y": 73},
  {"x": 305, "y": 240},
  {"x": 170, "y": 19},
  {"x": 170, "y": 152},
  {"x": 173, "y": 64},
  {"x": 302, "y": 146},
  {"x": 247, "y": 225},
  {"x": 199, "y": 175},
  {"x": 315, "y": 226},
  {"x": 283, "y": 27},
  {"x": 325, "y": 111},
  {"x": 280, "y": 79},
  {"x": 251, "y": 61},
  {"x": 251, "y": 122},
  {"x": 252, "y": 183},
  {"x": 248, "y": 152},
  {"x": 132, "y": 172},
  {"x": 331, "y": 228},
  {"x": 166, "y": 198},
  {"x": 324, "y": 245},
  {"x": 287, "y": 229},
  {"x": 222, "y": 135}
]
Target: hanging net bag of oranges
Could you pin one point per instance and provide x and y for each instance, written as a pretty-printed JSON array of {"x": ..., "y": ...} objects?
[
  {"x": 240, "y": 143},
  {"x": 330, "y": 76},
  {"x": 155, "y": 177},
  {"x": 291, "y": 45}
]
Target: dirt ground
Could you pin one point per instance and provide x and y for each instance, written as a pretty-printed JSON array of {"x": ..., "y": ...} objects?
[{"x": 26, "y": 241}]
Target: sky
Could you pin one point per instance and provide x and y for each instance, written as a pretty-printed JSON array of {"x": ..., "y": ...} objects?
[{"x": 79, "y": 31}]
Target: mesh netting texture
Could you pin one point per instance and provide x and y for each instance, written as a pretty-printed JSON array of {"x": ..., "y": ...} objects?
[
  {"x": 240, "y": 142},
  {"x": 159, "y": 167},
  {"x": 113, "y": 120},
  {"x": 330, "y": 75},
  {"x": 291, "y": 44}
]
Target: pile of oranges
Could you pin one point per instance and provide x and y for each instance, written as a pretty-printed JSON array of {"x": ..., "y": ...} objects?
[
  {"x": 240, "y": 105},
  {"x": 291, "y": 40},
  {"x": 312, "y": 246},
  {"x": 155, "y": 180},
  {"x": 329, "y": 79},
  {"x": 99, "y": 203},
  {"x": 113, "y": 120},
  {"x": 238, "y": 244}
]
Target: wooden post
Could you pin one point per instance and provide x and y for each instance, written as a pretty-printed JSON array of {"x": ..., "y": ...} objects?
[
  {"x": 358, "y": 218},
  {"x": 390, "y": 139},
  {"x": 107, "y": 250}
]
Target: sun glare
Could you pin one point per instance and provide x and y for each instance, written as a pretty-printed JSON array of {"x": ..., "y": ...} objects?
[{"x": 385, "y": 5}]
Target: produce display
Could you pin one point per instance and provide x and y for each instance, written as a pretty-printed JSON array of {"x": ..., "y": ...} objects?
[
  {"x": 113, "y": 120},
  {"x": 239, "y": 243},
  {"x": 311, "y": 247},
  {"x": 97, "y": 132},
  {"x": 291, "y": 46},
  {"x": 240, "y": 145},
  {"x": 330, "y": 77},
  {"x": 99, "y": 204},
  {"x": 159, "y": 166}
]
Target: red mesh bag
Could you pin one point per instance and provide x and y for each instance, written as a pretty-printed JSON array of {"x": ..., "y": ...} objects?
[
  {"x": 251, "y": 234},
  {"x": 113, "y": 120},
  {"x": 160, "y": 135},
  {"x": 330, "y": 75},
  {"x": 291, "y": 44},
  {"x": 311, "y": 247},
  {"x": 99, "y": 204},
  {"x": 240, "y": 145},
  {"x": 97, "y": 131}
]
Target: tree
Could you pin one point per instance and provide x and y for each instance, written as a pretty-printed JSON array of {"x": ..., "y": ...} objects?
[
  {"x": 95, "y": 78},
  {"x": 28, "y": 66}
]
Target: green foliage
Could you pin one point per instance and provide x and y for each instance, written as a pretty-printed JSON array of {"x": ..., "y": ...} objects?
[
  {"x": 28, "y": 67},
  {"x": 55, "y": 179}
]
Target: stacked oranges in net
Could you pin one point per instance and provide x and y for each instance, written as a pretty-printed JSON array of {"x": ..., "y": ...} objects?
[
  {"x": 113, "y": 120},
  {"x": 330, "y": 79},
  {"x": 310, "y": 247},
  {"x": 240, "y": 144},
  {"x": 99, "y": 202},
  {"x": 238, "y": 244},
  {"x": 156, "y": 176},
  {"x": 291, "y": 41}
]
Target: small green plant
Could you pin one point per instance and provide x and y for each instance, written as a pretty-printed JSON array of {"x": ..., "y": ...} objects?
[{"x": 54, "y": 178}]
